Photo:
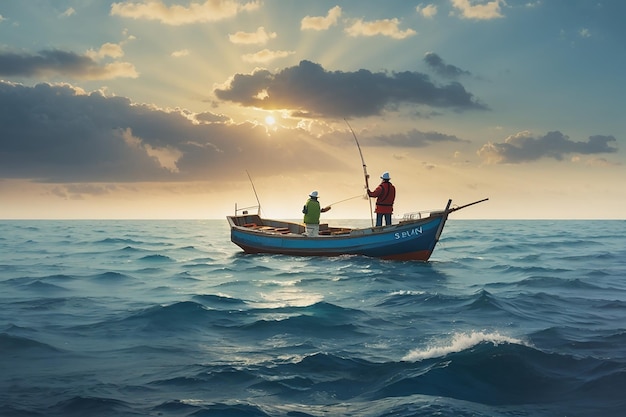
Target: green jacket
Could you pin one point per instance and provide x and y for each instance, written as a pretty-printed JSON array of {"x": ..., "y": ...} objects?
[{"x": 312, "y": 211}]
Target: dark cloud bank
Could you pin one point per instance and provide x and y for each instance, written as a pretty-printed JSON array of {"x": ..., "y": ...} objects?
[
  {"x": 555, "y": 145},
  {"x": 437, "y": 64},
  {"x": 29, "y": 65},
  {"x": 60, "y": 63},
  {"x": 51, "y": 133},
  {"x": 311, "y": 91},
  {"x": 54, "y": 133}
]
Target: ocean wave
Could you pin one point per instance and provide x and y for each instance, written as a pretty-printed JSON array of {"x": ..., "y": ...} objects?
[
  {"x": 482, "y": 301},
  {"x": 149, "y": 270},
  {"x": 598, "y": 344},
  {"x": 482, "y": 368},
  {"x": 527, "y": 270},
  {"x": 156, "y": 321},
  {"x": 303, "y": 325},
  {"x": 170, "y": 315},
  {"x": 459, "y": 342},
  {"x": 439, "y": 300},
  {"x": 115, "y": 240},
  {"x": 18, "y": 282},
  {"x": 319, "y": 320},
  {"x": 554, "y": 282},
  {"x": 186, "y": 275},
  {"x": 202, "y": 409},
  {"x": 81, "y": 406},
  {"x": 50, "y": 304},
  {"x": 15, "y": 346},
  {"x": 41, "y": 286},
  {"x": 279, "y": 283},
  {"x": 201, "y": 263},
  {"x": 218, "y": 301},
  {"x": 176, "y": 407},
  {"x": 144, "y": 351},
  {"x": 227, "y": 376},
  {"x": 402, "y": 298},
  {"x": 499, "y": 370},
  {"x": 156, "y": 258},
  {"x": 110, "y": 276},
  {"x": 485, "y": 301},
  {"x": 131, "y": 249},
  {"x": 59, "y": 278}
]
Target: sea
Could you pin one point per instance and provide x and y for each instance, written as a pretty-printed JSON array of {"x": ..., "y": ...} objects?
[{"x": 169, "y": 318}]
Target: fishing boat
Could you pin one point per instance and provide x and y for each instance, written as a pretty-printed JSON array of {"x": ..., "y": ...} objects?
[{"x": 413, "y": 238}]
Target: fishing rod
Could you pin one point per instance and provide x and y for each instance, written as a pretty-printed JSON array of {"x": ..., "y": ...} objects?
[
  {"x": 341, "y": 201},
  {"x": 255, "y": 194},
  {"x": 365, "y": 174}
]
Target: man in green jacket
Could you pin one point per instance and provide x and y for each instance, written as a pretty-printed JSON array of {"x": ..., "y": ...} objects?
[{"x": 312, "y": 212}]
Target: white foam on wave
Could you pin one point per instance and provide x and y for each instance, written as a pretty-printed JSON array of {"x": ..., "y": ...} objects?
[
  {"x": 459, "y": 342},
  {"x": 287, "y": 297},
  {"x": 407, "y": 292},
  {"x": 279, "y": 283}
]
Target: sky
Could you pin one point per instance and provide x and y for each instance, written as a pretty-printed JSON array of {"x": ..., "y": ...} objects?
[{"x": 178, "y": 109}]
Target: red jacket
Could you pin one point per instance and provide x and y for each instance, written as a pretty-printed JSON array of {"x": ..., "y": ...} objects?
[{"x": 386, "y": 194}]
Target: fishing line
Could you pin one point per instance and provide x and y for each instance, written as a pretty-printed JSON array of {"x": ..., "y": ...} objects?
[{"x": 351, "y": 198}]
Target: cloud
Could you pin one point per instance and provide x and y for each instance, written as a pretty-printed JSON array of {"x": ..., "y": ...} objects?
[
  {"x": 384, "y": 27},
  {"x": 524, "y": 147},
  {"x": 310, "y": 91},
  {"x": 260, "y": 37},
  {"x": 321, "y": 22},
  {"x": 266, "y": 55},
  {"x": 411, "y": 139},
  {"x": 358, "y": 27},
  {"x": 79, "y": 191},
  {"x": 112, "y": 50},
  {"x": 435, "y": 62},
  {"x": 487, "y": 11},
  {"x": 175, "y": 15},
  {"x": 68, "y": 12},
  {"x": 60, "y": 63},
  {"x": 208, "y": 117},
  {"x": 60, "y": 134},
  {"x": 166, "y": 157},
  {"x": 429, "y": 11},
  {"x": 180, "y": 53},
  {"x": 601, "y": 162}
]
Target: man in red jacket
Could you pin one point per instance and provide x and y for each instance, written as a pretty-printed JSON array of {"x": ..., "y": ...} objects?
[{"x": 386, "y": 194}]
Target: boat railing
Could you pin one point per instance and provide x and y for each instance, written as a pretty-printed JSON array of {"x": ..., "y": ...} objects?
[
  {"x": 417, "y": 215},
  {"x": 244, "y": 210}
]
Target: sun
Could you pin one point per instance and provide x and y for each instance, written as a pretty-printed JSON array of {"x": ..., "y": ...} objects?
[{"x": 270, "y": 121}]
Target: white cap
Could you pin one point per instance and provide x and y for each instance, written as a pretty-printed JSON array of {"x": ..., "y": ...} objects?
[
  {"x": 385, "y": 175},
  {"x": 313, "y": 194}
]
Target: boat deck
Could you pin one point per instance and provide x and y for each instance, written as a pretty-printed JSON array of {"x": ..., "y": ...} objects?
[
  {"x": 325, "y": 230},
  {"x": 255, "y": 222}
]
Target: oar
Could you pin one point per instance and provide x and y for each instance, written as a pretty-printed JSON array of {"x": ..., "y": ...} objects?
[{"x": 364, "y": 169}]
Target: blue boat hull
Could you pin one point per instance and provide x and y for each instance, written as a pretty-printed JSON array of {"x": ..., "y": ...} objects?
[{"x": 407, "y": 240}]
